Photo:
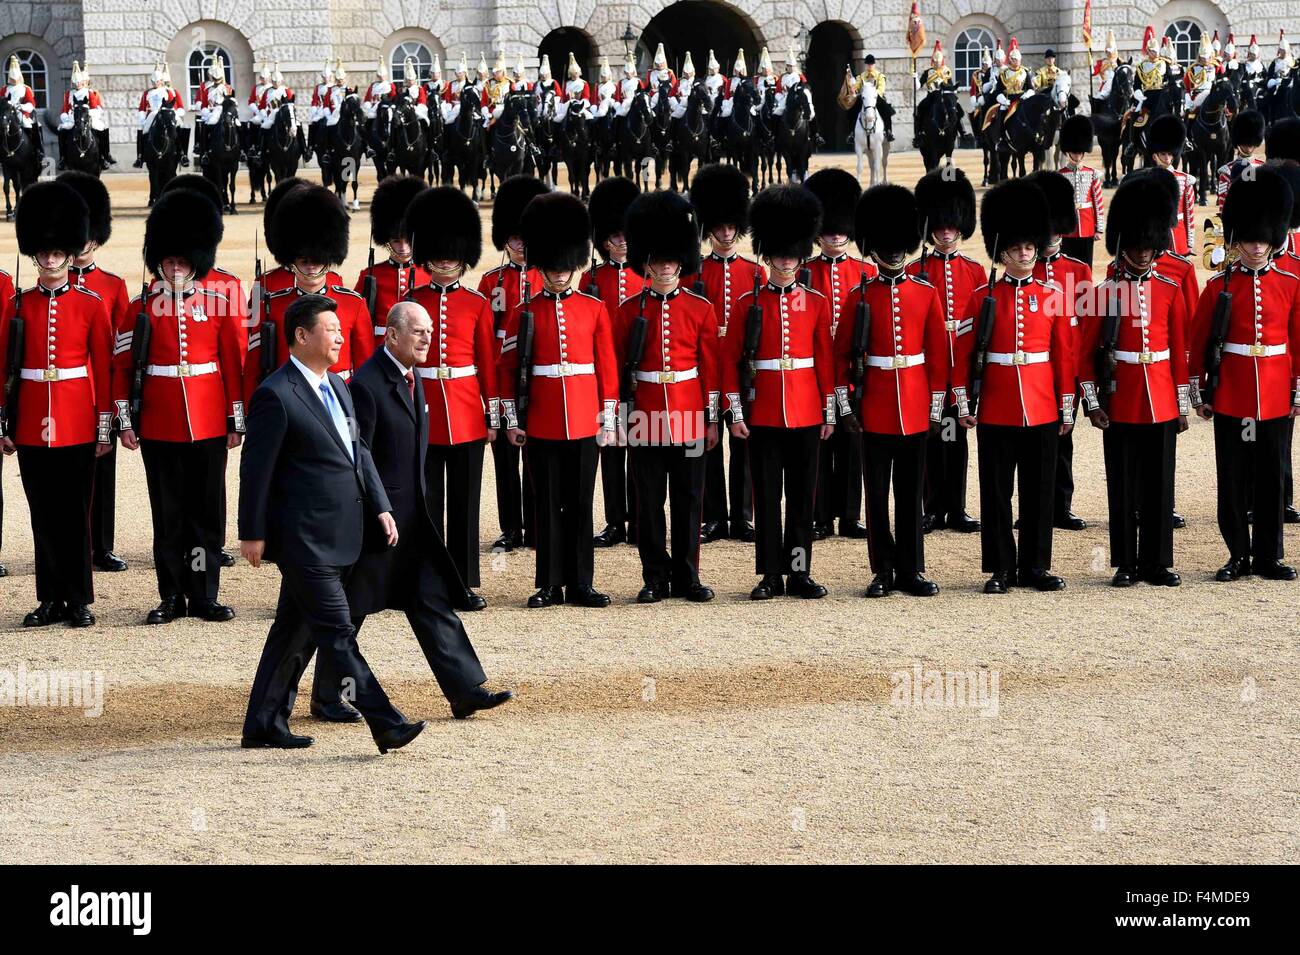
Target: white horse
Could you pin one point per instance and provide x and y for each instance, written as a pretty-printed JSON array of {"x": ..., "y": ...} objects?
[
  {"x": 1060, "y": 95},
  {"x": 869, "y": 136}
]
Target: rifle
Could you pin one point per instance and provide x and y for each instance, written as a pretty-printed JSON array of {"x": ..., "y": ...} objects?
[
  {"x": 635, "y": 350},
  {"x": 13, "y": 357},
  {"x": 1104, "y": 361},
  {"x": 524, "y": 346},
  {"x": 140, "y": 340},
  {"x": 805, "y": 276},
  {"x": 370, "y": 287},
  {"x": 498, "y": 304},
  {"x": 753, "y": 333},
  {"x": 858, "y": 350},
  {"x": 593, "y": 287},
  {"x": 1218, "y": 336},
  {"x": 270, "y": 347},
  {"x": 983, "y": 336}
]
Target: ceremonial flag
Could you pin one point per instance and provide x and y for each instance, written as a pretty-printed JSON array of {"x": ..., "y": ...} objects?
[
  {"x": 915, "y": 30},
  {"x": 1087, "y": 24}
]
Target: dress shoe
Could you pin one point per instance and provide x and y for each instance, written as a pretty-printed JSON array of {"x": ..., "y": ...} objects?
[
  {"x": 881, "y": 585},
  {"x": 585, "y": 595},
  {"x": 79, "y": 615},
  {"x": 997, "y": 584},
  {"x": 770, "y": 586},
  {"x": 611, "y": 535},
  {"x": 1069, "y": 521},
  {"x": 802, "y": 585},
  {"x": 853, "y": 529},
  {"x": 508, "y": 541},
  {"x": 212, "y": 612},
  {"x": 167, "y": 611},
  {"x": 927, "y": 523},
  {"x": 649, "y": 595},
  {"x": 4, "y": 571},
  {"x": 1234, "y": 569},
  {"x": 227, "y": 558},
  {"x": 1041, "y": 580},
  {"x": 338, "y": 712},
  {"x": 822, "y": 531},
  {"x": 46, "y": 613},
  {"x": 746, "y": 533},
  {"x": 713, "y": 531},
  {"x": 938, "y": 522},
  {"x": 1274, "y": 570},
  {"x": 1291, "y": 515},
  {"x": 398, "y": 736},
  {"x": 963, "y": 523},
  {"x": 1161, "y": 577},
  {"x": 546, "y": 597},
  {"x": 1179, "y": 521},
  {"x": 1124, "y": 577},
  {"x": 696, "y": 593},
  {"x": 108, "y": 562},
  {"x": 276, "y": 741},
  {"x": 917, "y": 586},
  {"x": 479, "y": 699},
  {"x": 471, "y": 601}
]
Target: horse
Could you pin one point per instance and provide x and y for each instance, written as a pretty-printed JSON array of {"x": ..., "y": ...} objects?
[
  {"x": 83, "y": 156},
  {"x": 938, "y": 134},
  {"x": 793, "y": 136},
  {"x": 510, "y": 148},
  {"x": 1284, "y": 100},
  {"x": 869, "y": 136},
  {"x": 436, "y": 145},
  {"x": 574, "y": 140},
  {"x": 160, "y": 153},
  {"x": 1246, "y": 93},
  {"x": 636, "y": 141},
  {"x": 736, "y": 133},
  {"x": 1107, "y": 116},
  {"x": 465, "y": 144},
  {"x": 1069, "y": 103},
  {"x": 344, "y": 147},
  {"x": 1159, "y": 102},
  {"x": 406, "y": 143},
  {"x": 282, "y": 149},
  {"x": 1030, "y": 130},
  {"x": 602, "y": 139},
  {"x": 17, "y": 156},
  {"x": 543, "y": 115},
  {"x": 221, "y": 154},
  {"x": 1209, "y": 136},
  {"x": 690, "y": 138},
  {"x": 661, "y": 131},
  {"x": 769, "y": 161}
]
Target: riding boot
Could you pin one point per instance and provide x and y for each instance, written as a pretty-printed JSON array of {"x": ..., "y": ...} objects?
[
  {"x": 916, "y": 129},
  {"x": 816, "y": 136},
  {"x": 183, "y": 144},
  {"x": 302, "y": 144},
  {"x": 370, "y": 138},
  {"x": 139, "y": 149},
  {"x": 887, "y": 116},
  {"x": 64, "y": 148},
  {"x": 38, "y": 143},
  {"x": 105, "y": 154}
]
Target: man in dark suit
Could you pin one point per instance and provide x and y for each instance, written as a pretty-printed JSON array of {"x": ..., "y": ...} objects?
[
  {"x": 307, "y": 490},
  {"x": 418, "y": 575}
]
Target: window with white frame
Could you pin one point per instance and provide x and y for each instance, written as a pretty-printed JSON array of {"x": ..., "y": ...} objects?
[
  {"x": 1186, "y": 36},
  {"x": 200, "y": 61},
  {"x": 966, "y": 53},
  {"x": 420, "y": 55}
]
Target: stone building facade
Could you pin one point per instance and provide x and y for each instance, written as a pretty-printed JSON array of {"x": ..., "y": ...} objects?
[{"x": 122, "y": 40}]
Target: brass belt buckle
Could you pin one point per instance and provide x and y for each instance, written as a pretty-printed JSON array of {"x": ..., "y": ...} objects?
[
  {"x": 950, "y": 325},
  {"x": 1018, "y": 358},
  {"x": 444, "y": 371},
  {"x": 722, "y": 331},
  {"x": 667, "y": 377},
  {"x": 787, "y": 364},
  {"x": 900, "y": 361},
  {"x": 566, "y": 369},
  {"x": 51, "y": 374},
  {"x": 1145, "y": 357},
  {"x": 1258, "y": 351},
  {"x": 183, "y": 370}
]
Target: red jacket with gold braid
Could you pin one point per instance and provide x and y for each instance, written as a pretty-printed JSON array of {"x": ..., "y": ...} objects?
[
  {"x": 573, "y": 385},
  {"x": 1088, "y": 202},
  {"x": 460, "y": 374},
  {"x": 794, "y": 374},
  {"x": 504, "y": 289},
  {"x": 393, "y": 282},
  {"x": 725, "y": 280},
  {"x": 954, "y": 276},
  {"x": 836, "y": 276}
]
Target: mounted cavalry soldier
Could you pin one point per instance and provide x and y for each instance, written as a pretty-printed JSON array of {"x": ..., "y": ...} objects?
[
  {"x": 380, "y": 90},
  {"x": 413, "y": 92},
  {"x": 606, "y": 89},
  {"x": 546, "y": 85},
  {"x": 877, "y": 79},
  {"x": 82, "y": 93},
  {"x": 519, "y": 77},
  {"x": 684, "y": 87},
  {"x": 576, "y": 93},
  {"x": 21, "y": 98},
  {"x": 792, "y": 77},
  {"x": 739, "y": 77},
  {"x": 1166, "y": 140},
  {"x": 1046, "y": 76},
  {"x": 936, "y": 79},
  {"x": 1151, "y": 70},
  {"x": 151, "y": 102},
  {"x": 714, "y": 81},
  {"x": 321, "y": 107},
  {"x": 434, "y": 83},
  {"x": 1011, "y": 84},
  {"x": 273, "y": 97},
  {"x": 395, "y": 278},
  {"x": 1254, "y": 70},
  {"x": 1199, "y": 78},
  {"x": 1105, "y": 67},
  {"x": 214, "y": 91},
  {"x": 1280, "y": 69},
  {"x": 495, "y": 91},
  {"x": 451, "y": 95},
  {"x": 627, "y": 87},
  {"x": 659, "y": 73}
]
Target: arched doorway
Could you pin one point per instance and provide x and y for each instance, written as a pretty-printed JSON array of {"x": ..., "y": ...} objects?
[
  {"x": 558, "y": 44},
  {"x": 830, "y": 50},
  {"x": 700, "y": 26}
]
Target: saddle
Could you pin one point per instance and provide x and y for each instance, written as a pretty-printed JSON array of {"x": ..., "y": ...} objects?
[{"x": 1137, "y": 123}]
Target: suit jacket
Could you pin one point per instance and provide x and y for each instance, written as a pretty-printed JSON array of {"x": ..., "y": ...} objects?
[
  {"x": 298, "y": 489},
  {"x": 397, "y": 431}
]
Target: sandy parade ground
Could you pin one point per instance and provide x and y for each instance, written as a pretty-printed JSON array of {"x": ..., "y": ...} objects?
[{"x": 1091, "y": 725}]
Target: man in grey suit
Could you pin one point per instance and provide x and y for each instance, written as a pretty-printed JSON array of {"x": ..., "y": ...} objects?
[{"x": 307, "y": 489}]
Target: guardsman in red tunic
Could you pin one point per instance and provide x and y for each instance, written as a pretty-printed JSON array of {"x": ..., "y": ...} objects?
[
  {"x": 280, "y": 277},
  {"x": 1076, "y": 142},
  {"x": 1026, "y": 396},
  {"x": 396, "y": 277},
  {"x": 190, "y": 405},
  {"x": 459, "y": 376},
  {"x": 311, "y": 234},
  {"x": 612, "y": 281},
  {"x": 789, "y": 407},
  {"x": 1166, "y": 139},
  {"x": 504, "y": 288},
  {"x": 6, "y": 302},
  {"x": 946, "y": 203},
  {"x": 720, "y": 194},
  {"x": 835, "y": 273},
  {"x": 571, "y": 405},
  {"x": 63, "y": 417},
  {"x": 671, "y": 384},
  {"x": 112, "y": 291},
  {"x": 1258, "y": 379},
  {"x": 1247, "y": 137},
  {"x": 1133, "y": 384},
  {"x": 904, "y": 377},
  {"x": 1073, "y": 276}
]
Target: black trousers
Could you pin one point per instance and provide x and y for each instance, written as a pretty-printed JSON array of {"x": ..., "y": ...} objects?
[
  {"x": 312, "y": 615},
  {"x": 1251, "y": 462},
  {"x": 783, "y": 460},
  {"x": 1024, "y": 459},
  {"x": 187, "y": 497},
  {"x": 1079, "y": 248},
  {"x": 719, "y": 484},
  {"x": 1063, "y": 489},
  {"x": 1289, "y": 483},
  {"x": 1140, "y": 492},
  {"x": 839, "y": 479},
  {"x": 437, "y": 629},
  {"x": 454, "y": 476},
  {"x": 671, "y": 474},
  {"x": 103, "y": 503},
  {"x": 947, "y": 461},
  {"x": 564, "y": 482},
  {"x": 514, "y": 489},
  {"x": 902, "y": 458},
  {"x": 59, "y": 484},
  {"x": 618, "y": 491}
]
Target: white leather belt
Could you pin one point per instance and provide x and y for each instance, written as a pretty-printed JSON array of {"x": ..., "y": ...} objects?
[
  {"x": 668, "y": 377},
  {"x": 781, "y": 364},
  {"x": 895, "y": 361},
  {"x": 563, "y": 370},
  {"x": 1017, "y": 357},
  {"x": 445, "y": 372},
  {"x": 1142, "y": 357},
  {"x": 1254, "y": 351},
  {"x": 54, "y": 374},
  {"x": 181, "y": 371}
]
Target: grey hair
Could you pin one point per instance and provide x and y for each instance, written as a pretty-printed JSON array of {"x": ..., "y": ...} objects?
[{"x": 400, "y": 313}]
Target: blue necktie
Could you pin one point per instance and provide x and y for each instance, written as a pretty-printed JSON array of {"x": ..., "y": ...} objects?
[{"x": 336, "y": 415}]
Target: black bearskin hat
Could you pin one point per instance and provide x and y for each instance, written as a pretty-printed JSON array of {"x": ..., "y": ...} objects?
[
  {"x": 661, "y": 227},
  {"x": 1063, "y": 219},
  {"x": 1258, "y": 209},
  {"x": 1166, "y": 181},
  {"x": 388, "y": 207},
  {"x": 1139, "y": 214},
  {"x": 945, "y": 199},
  {"x": 839, "y": 191},
  {"x": 1012, "y": 212},
  {"x": 785, "y": 219},
  {"x": 1283, "y": 141},
  {"x": 608, "y": 207},
  {"x": 556, "y": 231},
  {"x": 199, "y": 184},
  {"x": 1248, "y": 128},
  {"x": 1076, "y": 135},
  {"x": 443, "y": 223},
  {"x": 887, "y": 222},
  {"x": 1289, "y": 170},
  {"x": 311, "y": 223},
  {"x": 52, "y": 217},
  {"x": 282, "y": 189},
  {"x": 507, "y": 208},
  {"x": 95, "y": 194},
  {"x": 183, "y": 222},
  {"x": 720, "y": 195},
  {"x": 1166, "y": 135}
]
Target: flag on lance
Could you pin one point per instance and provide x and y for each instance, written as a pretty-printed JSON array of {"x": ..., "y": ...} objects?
[
  {"x": 915, "y": 30},
  {"x": 1087, "y": 25}
]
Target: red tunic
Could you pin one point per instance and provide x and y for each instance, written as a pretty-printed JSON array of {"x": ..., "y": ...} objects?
[
  {"x": 281, "y": 277},
  {"x": 354, "y": 322},
  {"x": 954, "y": 276},
  {"x": 93, "y": 101},
  {"x": 1185, "y": 229},
  {"x": 614, "y": 281},
  {"x": 504, "y": 289},
  {"x": 725, "y": 279},
  {"x": 463, "y": 346},
  {"x": 1183, "y": 274},
  {"x": 1088, "y": 201},
  {"x": 835, "y": 276},
  {"x": 6, "y": 293},
  {"x": 393, "y": 281}
]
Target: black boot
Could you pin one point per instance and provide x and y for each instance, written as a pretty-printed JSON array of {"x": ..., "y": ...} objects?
[
  {"x": 38, "y": 143},
  {"x": 139, "y": 149},
  {"x": 105, "y": 154},
  {"x": 183, "y": 145},
  {"x": 64, "y": 148}
]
